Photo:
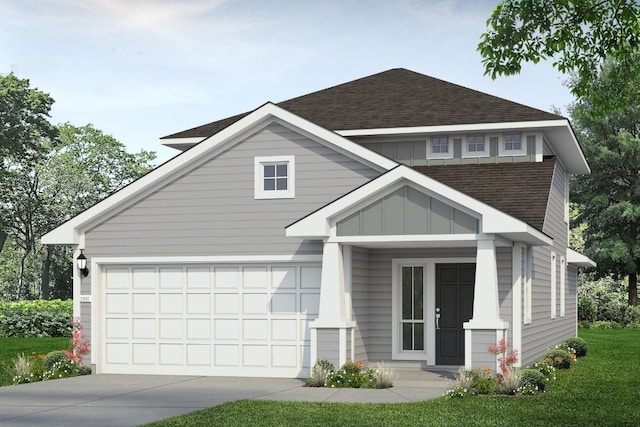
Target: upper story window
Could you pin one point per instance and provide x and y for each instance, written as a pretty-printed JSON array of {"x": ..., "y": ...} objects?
[
  {"x": 274, "y": 177},
  {"x": 439, "y": 147},
  {"x": 512, "y": 145},
  {"x": 475, "y": 146}
]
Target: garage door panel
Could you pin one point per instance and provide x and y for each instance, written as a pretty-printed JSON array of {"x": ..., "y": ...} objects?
[
  {"x": 144, "y": 328},
  {"x": 208, "y": 319},
  {"x": 171, "y": 303}
]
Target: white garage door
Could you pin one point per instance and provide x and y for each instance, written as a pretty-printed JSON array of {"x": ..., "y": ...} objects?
[{"x": 244, "y": 320}]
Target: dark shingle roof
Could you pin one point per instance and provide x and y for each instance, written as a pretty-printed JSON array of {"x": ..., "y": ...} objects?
[
  {"x": 391, "y": 99},
  {"x": 517, "y": 189}
]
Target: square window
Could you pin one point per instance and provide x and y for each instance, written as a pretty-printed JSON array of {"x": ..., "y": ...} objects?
[
  {"x": 475, "y": 146},
  {"x": 512, "y": 145},
  {"x": 439, "y": 147},
  {"x": 274, "y": 177}
]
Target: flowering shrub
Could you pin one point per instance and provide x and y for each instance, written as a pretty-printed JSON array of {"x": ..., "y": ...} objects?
[
  {"x": 546, "y": 369},
  {"x": 506, "y": 359},
  {"x": 79, "y": 343},
  {"x": 578, "y": 344},
  {"x": 351, "y": 375},
  {"x": 559, "y": 358},
  {"x": 531, "y": 378}
]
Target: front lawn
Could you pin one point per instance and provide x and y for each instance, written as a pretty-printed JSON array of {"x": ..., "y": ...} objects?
[
  {"x": 601, "y": 389},
  {"x": 11, "y": 347}
]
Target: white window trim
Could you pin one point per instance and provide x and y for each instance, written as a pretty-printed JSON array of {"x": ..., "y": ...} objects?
[
  {"x": 502, "y": 151},
  {"x": 554, "y": 290},
  {"x": 258, "y": 175},
  {"x": 447, "y": 155},
  {"x": 465, "y": 147}
]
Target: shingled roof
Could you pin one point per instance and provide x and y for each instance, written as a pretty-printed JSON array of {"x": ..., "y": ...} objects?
[
  {"x": 392, "y": 99},
  {"x": 518, "y": 189}
]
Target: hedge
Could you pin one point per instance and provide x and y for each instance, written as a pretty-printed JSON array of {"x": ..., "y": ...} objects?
[{"x": 37, "y": 318}]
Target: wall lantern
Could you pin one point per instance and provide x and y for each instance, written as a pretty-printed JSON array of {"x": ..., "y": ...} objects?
[{"x": 82, "y": 264}]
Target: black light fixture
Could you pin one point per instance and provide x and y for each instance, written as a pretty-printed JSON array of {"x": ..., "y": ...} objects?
[{"x": 82, "y": 264}]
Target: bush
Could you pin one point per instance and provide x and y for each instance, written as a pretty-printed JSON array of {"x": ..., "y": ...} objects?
[
  {"x": 486, "y": 386},
  {"x": 319, "y": 373},
  {"x": 351, "y": 375},
  {"x": 558, "y": 358},
  {"x": 578, "y": 344},
  {"x": 632, "y": 316},
  {"x": 61, "y": 369},
  {"x": 54, "y": 357},
  {"x": 532, "y": 378},
  {"x": 605, "y": 324},
  {"x": 587, "y": 310},
  {"x": 36, "y": 318},
  {"x": 546, "y": 369}
]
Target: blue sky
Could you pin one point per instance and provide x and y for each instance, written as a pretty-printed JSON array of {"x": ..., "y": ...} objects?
[{"x": 142, "y": 69}]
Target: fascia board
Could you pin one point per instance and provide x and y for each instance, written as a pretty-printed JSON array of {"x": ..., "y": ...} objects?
[
  {"x": 579, "y": 260},
  {"x": 67, "y": 232},
  {"x": 317, "y": 225}
]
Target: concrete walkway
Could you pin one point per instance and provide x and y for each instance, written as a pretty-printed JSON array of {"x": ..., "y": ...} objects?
[{"x": 131, "y": 400}]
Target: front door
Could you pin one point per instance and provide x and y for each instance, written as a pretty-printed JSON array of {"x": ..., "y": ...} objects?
[{"x": 454, "y": 306}]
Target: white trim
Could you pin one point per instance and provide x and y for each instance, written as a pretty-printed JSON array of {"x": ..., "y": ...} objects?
[
  {"x": 178, "y": 142},
  {"x": 429, "y": 295},
  {"x": 259, "y": 163},
  {"x": 577, "y": 259},
  {"x": 527, "y": 295},
  {"x": 554, "y": 279},
  {"x": 516, "y": 298},
  {"x": 68, "y": 232},
  {"x": 563, "y": 285},
  {"x": 245, "y": 259}
]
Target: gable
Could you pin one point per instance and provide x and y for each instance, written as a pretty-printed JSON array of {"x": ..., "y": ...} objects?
[
  {"x": 407, "y": 211},
  {"x": 334, "y": 145}
]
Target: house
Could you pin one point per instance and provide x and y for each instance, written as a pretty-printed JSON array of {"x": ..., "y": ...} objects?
[{"x": 395, "y": 218}]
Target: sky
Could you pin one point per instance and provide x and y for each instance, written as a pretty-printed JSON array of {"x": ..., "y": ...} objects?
[{"x": 142, "y": 69}]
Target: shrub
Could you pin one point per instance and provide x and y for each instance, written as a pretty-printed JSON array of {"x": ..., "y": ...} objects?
[
  {"x": 36, "y": 318},
  {"x": 351, "y": 375},
  {"x": 61, "y": 369},
  {"x": 632, "y": 316},
  {"x": 486, "y": 386},
  {"x": 54, "y": 357},
  {"x": 321, "y": 369},
  {"x": 384, "y": 375},
  {"x": 587, "y": 310},
  {"x": 605, "y": 324},
  {"x": 546, "y": 369},
  {"x": 559, "y": 358},
  {"x": 578, "y": 344},
  {"x": 532, "y": 378}
]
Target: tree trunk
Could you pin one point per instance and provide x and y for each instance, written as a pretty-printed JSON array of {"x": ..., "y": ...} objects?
[
  {"x": 633, "y": 289},
  {"x": 45, "y": 290},
  {"x": 3, "y": 238},
  {"x": 23, "y": 259}
]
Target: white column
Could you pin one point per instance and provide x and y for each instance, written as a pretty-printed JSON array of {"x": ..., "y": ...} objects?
[
  {"x": 332, "y": 292},
  {"x": 486, "y": 310}
]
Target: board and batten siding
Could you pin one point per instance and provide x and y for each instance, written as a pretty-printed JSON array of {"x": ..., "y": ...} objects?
[
  {"x": 212, "y": 211},
  {"x": 544, "y": 332},
  {"x": 407, "y": 211}
]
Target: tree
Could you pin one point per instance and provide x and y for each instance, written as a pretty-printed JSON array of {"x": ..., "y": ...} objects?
[
  {"x": 609, "y": 198},
  {"x": 579, "y": 35},
  {"x": 24, "y": 124},
  {"x": 41, "y": 192}
]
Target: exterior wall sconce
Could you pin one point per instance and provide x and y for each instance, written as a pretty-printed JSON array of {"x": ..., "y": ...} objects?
[{"x": 82, "y": 264}]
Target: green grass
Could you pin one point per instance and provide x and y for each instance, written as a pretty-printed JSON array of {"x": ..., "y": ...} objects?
[
  {"x": 601, "y": 389},
  {"x": 11, "y": 347}
]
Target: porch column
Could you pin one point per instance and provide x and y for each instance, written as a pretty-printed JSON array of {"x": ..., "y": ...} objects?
[
  {"x": 486, "y": 327},
  {"x": 332, "y": 331}
]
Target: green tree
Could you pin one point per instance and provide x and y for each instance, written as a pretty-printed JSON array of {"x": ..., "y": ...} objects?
[
  {"x": 609, "y": 198},
  {"x": 578, "y": 35},
  {"x": 24, "y": 124}
]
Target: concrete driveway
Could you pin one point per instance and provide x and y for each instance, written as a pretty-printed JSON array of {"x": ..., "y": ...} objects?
[{"x": 131, "y": 400}]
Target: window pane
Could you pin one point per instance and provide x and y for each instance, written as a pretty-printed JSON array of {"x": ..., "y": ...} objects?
[
  {"x": 417, "y": 293},
  {"x": 418, "y": 336},
  {"x": 269, "y": 171},
  {"x": 269, "y": 184},
  {"x": 407, "y": 291},
  {"x": 407, "y": 336},
  {"x": 281, "y": 170},
  {"x": 281, "y": 184}
]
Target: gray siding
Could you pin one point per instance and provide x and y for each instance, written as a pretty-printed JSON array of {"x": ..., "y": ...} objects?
[
  {"x": 407, "y": 211},
  {"x": 482, "y": 340},
  {"x": 212, "y": 211},
  {"x": 543, "y": 332},
  {"x": 329, "y": 346},
  {"x": 505, "y": 291},
  {"x": 372, "y": 301}
]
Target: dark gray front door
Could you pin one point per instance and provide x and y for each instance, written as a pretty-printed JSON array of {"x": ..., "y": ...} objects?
[{"x": 454, "y": 305}]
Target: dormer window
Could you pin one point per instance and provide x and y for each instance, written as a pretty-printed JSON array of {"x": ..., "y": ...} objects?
[
  {"x": 512, "y": 145},
  {"x": 439, "y": 147},
  {"x": 475, "y": 146},
  {"x": 274, "y": 177}
]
